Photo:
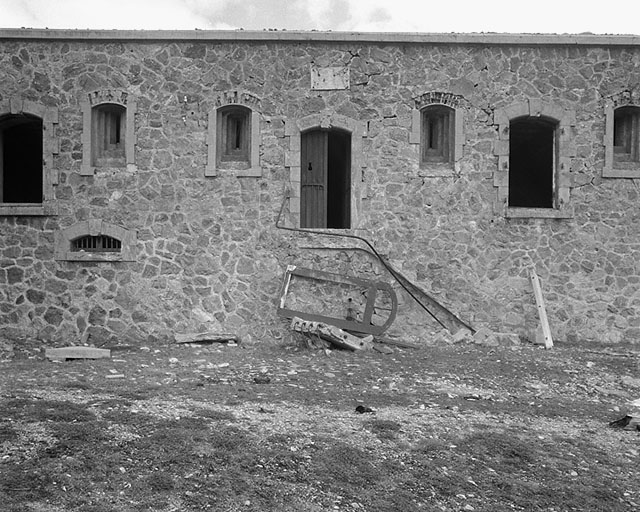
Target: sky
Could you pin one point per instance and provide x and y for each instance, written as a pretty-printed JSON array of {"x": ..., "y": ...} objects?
[{"x": 462, "y": 16}]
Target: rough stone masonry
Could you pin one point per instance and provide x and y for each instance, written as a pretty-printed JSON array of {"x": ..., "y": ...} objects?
[{"x": 200, "y": 250}]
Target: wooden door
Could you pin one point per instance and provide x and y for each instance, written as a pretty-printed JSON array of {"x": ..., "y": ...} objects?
[{"x": 313, "y": 179}]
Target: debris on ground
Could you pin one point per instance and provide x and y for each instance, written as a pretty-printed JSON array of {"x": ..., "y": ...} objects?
[
  {"x": 386, "y": 340},
  {"x": 331, "y": 333},
  {"x": 207, "y": 337},
  {"x": 76, "y": 352},
  {"x": 382, "y": 349},
  {"x": 366, "y": 317},
  {"x": 362, "y": 409},
  {"x": 621, "y": 422}
]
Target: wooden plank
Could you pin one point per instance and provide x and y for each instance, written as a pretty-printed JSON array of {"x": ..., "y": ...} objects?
[
  {"x": 542, "y": 312},
  {"x": 363, "y": 326},
  {"x": 76, "y": 352},
  {"x": 332, "y": 334},
  {"x": 395, "y": 342},
  {"x": 206, "y": 337}
]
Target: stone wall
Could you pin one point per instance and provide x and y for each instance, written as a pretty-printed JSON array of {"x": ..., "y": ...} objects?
[{"x": 208, "y": 255}]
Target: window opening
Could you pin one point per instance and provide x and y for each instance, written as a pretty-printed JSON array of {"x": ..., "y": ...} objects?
[
  {"x": 531, "y": 162},
  {"x": 437, "y": 133},
  {"x": 21, "y": 151},
  {"x": 108, "y": 126},
  {"x": 234, "y": 129},
  {"x": 626, "y": 134},
  {"x": 325, "y": 180},
  {"x": 100, "y": 243}
]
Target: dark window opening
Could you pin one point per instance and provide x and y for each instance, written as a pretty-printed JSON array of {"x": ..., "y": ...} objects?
[
  {"x": 108, "y": 128},
  {"x": 626, "y": 135},
  {"x": 21, "y": 156},
  {"x": 234, "y": 130},
  {"x": 531, "y": 163},
  {"x": 99, "y": 243},
  {"x": 437, "y": 133},
  {"x": 325, "y": 179}
]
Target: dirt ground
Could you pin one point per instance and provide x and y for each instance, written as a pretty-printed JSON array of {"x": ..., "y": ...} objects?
[{"x": 275, "y": 426}]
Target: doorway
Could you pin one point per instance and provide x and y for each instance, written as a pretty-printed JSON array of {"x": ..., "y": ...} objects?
[{"x": 325, "y": 179}]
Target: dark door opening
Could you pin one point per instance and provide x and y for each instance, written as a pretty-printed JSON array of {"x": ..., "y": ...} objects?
[
  {"x": 21, "y": 164},
  {"x": 531, "y": 163},
  {"x": 325, "y": 179}
]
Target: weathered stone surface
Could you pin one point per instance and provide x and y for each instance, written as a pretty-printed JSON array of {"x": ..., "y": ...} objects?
[{"x": 209, "y": 257}]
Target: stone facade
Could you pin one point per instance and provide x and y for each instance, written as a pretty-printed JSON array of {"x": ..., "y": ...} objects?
[{"x": 203, "y": 252}]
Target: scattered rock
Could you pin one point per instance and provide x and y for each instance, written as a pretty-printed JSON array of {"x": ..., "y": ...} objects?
[
  {"x": 630, "y": 382},
  {"x": 463, "y": 335},
  {"x": 621, "y": 422}
]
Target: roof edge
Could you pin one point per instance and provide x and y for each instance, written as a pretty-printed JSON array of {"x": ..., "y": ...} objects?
[{"x": 488, "y": 38}]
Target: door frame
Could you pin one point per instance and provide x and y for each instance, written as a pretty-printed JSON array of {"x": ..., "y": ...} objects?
[{"x": 358, "y": 179}]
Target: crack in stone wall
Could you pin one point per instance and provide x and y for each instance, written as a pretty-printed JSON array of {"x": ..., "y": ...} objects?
[{"x": 208, "y": 254}]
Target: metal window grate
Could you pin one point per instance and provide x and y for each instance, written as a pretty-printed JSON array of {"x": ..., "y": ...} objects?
[{"x": 100, "y": 243}]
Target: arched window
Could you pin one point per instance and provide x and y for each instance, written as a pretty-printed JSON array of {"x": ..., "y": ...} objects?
[
  {"x": 234, "y": 136},
  {"x": 109, "y": 125},
  {"x": 234, "y": 139},
  {"x": 437, "y": 134},
  {"x": 437, "y": 130},
  {"x": 108, "y": 131},
  {"x": 626, "y": 137},
  {"x": 534, "y": 149},
  {"x": 28, "y": 143}
]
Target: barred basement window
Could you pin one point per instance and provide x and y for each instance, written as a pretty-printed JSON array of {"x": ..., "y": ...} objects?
[
  {"x": 95, "y": 240},
  {"x": 100, "y": 243},
  {"x": 626, "y": 136},
  {"x": 438, "y": 131}
]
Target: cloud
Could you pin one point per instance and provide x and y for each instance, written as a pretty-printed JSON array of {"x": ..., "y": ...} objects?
[
  {"x": 107, "y": 14},
  {"x": 276, "y": 14},
  {"x": 337, "y": 15}
]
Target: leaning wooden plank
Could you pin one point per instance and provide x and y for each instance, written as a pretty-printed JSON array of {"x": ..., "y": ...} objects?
[
  {"x": 542, "y": 312},
  {"x": 206, "y": 337},
  {"x": 76, "y": 353}
]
